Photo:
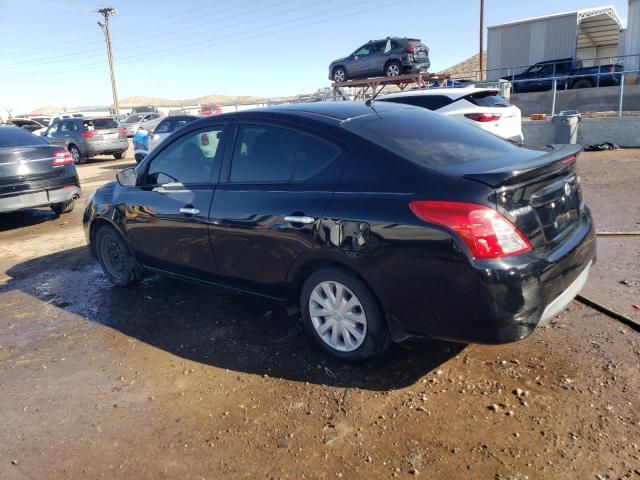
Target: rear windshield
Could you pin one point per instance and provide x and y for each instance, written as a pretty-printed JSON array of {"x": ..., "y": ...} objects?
[
  {"x": 18, "y": 137},
  {"x": 487, "y": 99},
  {"x": 134, "y": 118},
  {"x": 431, "y": 102},
  {"x": 427, "y": 138},
  {"x": 100, "y": 123}
]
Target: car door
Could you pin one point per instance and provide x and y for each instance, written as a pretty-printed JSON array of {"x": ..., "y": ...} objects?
[
  {"x": 55, "y": 135},
  {"x": 377, "y": 58},
  {"x": 361, "y": 64},
  {"x": 266, "y": 213},
  {"x": 166, "y": 218}
]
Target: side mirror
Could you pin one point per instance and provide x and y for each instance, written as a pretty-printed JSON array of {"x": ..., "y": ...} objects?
[{"x": 127, "y": 177}]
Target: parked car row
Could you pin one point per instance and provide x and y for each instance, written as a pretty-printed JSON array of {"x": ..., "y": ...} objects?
[{"x": 375, "y": 221}]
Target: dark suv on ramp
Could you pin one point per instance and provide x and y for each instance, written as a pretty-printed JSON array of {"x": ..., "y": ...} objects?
[
  {"x": 390, "y": 57},
  {"x": 376, "y": 223}
]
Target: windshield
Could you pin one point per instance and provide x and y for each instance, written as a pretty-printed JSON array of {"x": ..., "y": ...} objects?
[
  {"x": 433, "y": 140},
  {"x": 134, "y": 118}
]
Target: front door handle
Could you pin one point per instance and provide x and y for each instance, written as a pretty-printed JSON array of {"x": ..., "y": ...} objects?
[
  {"x": 299, "y": 219},
  {"x": 189, "y": 211}
]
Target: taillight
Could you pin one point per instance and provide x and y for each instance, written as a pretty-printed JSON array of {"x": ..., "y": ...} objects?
[
  {"x": 483, "y": 117},
  {"x": 61, "y": 157},
  {"x": 204, "y": 139},
  {"x": 410, "y": 49},
  {"x": 88, "y": 133},
  {"x": 122, "y": 131},
  {"x": 486, "y": 233}
]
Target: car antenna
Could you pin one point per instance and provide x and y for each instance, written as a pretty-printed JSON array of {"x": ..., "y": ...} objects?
[{"x": 369, "y": 102}]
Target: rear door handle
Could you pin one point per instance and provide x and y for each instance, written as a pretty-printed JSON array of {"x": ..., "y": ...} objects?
[
  {"x": 189, "y": 211},
  {"x": 299, "y": 219}
]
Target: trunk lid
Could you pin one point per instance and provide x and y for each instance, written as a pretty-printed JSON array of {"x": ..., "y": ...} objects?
[
  {"x": 19, "y": 164},
  {"x": 542, "y": 197}
]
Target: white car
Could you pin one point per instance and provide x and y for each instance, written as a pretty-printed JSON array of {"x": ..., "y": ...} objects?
[{"x": 481, "y": 107}]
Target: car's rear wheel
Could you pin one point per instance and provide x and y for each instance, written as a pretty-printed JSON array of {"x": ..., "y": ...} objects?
[
  {"x": 75, "y": 154},
  {"x": 392, "y": 69},
  {"x": 114, "y": 257},
  {"x": 342, "y": 315},
  {"x": 339, "y": 74},
  {"x": 118, "y": 156},
  {"x": 63, "y": 207}
]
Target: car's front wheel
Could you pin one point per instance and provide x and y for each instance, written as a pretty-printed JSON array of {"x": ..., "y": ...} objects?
[
  {"x": 114, "y": 257},
  {"x": 342, "y": 315},
  {"x": 339, "y": 74}
]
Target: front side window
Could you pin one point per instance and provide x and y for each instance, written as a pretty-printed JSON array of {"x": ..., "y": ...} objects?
[
  {"x": 164, "y": 127},
  {"x": 263, "y": 154},
  {"x": 192, "y": 158},
  {"x": 363, "y": 51},
  {"x": 53, "y": 129}
]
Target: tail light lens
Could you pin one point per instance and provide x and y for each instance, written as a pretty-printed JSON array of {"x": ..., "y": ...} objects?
[
  {"x": 204, "y": 139},
  {"x": 61, "y": 157},
  {"x": 122, "y": 131},
  {"x": 484, "y": 231},
  {"x": 88, "y": 133},
  {"x": 483, "y": 117}
]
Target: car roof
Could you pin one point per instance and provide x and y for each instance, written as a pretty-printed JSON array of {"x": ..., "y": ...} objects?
[
  {"x": 450, "y": 92},
  {"x": 333, "y": 110}
]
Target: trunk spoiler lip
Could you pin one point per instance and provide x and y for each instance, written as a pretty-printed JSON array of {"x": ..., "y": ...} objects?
[{"x": 552, "y": 161}]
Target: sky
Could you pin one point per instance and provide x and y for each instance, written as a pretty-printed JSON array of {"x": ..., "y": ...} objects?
[{"x": 52, "y": 52}]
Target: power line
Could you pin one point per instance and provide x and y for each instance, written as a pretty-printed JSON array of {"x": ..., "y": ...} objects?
[{"x": 241, "y": 35}]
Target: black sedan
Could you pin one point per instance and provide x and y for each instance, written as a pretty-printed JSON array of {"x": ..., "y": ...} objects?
[
  {"x": 34, "y": 173},
  {"x": 376, "y": 222}
]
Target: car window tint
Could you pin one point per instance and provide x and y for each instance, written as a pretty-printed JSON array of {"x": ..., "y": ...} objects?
[
  {"x": 487, "y": 99},
  {"x": 69, "y": 126},
  {"x": 314, "y": 155},
  {"x": 428, "y": 139},
  {"x": 364, "y": 50},
  {"x": 164, "y": 127},
  {"x": 180, "y": 123},
  {"x": 99, "y": 123},
  {"x": 431, "y": 102},
  {"x": 263, "y": 154},
  {"x": 192, "y": 158},
  {"x": 17, "y": 137}
]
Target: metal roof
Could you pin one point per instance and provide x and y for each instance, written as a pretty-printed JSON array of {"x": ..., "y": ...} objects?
[{"x": 597, "y": 27}]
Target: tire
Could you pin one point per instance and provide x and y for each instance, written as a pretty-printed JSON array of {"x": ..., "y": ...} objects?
[
  {"x": 114, "y": 257},
  {"x": 339, "y": 75},
  {"x": 363, "y": 322},
  {"x": 584, "y": 83},
  {"x": 392, "y": 69},
  {"x": 75, "y": 154},
  {"x": 119, "y": 155},
  {"x": 63, "y": 207}
]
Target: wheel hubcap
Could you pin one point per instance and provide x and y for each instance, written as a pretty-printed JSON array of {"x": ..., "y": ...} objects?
[
  {"x": 339, "y": 76},
  {"x": 337, "y": 316},
  {"x": 75, "y": 154},
  {"x": 113, "y": 257},
  {"x": 393, "y": 71}
]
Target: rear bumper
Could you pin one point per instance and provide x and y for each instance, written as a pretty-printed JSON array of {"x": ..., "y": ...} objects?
[
  {"x": 41, "y": 198},
  {"x": 106, "y": 147},
  {"x": 485, "y": 301}
]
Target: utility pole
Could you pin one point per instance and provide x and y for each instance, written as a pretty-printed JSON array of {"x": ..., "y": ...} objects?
[
  {"x": 106, "y": 13},
  {"x": 481, "y": 38}
]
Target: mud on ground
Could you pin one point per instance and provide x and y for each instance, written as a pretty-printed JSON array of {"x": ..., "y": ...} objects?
[{"x": 175, "y": 380}]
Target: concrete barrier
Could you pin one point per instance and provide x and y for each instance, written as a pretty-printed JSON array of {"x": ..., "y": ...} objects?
[{"x": 623, "y": 131}]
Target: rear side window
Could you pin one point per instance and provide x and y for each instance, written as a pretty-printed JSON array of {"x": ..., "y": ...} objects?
[
  {"x": 487, "y": 99},
  {"x": 263, "y": 154},
  {"x": 431, "y": 102},
  {"x": 18, "y": 137},
  {"x": 428, "y": 139},
  {"x": 100, "y": 123},
  {"x": 314, "y": 155}
]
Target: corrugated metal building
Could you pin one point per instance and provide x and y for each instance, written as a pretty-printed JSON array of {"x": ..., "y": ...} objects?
[{"x": 588, "y": 33}]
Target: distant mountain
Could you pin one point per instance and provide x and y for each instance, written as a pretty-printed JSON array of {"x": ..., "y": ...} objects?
[{"x": 167, "y": 102}]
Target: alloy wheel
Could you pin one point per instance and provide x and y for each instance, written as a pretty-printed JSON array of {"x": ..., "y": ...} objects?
[
  {"x": 338, "y": 75},
  {"x": 393, "y": 70},
  {"x": 337, "y": 316},
  {"x": 75, "y": 154}
]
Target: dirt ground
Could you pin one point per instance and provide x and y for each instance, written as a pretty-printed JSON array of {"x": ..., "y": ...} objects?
[{"x": 175, "y": 380}]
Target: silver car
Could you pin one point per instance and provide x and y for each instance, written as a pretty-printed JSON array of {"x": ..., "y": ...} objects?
[
  {"x": 148, "y": 121},
  {"x": 167, "y": 126}
]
